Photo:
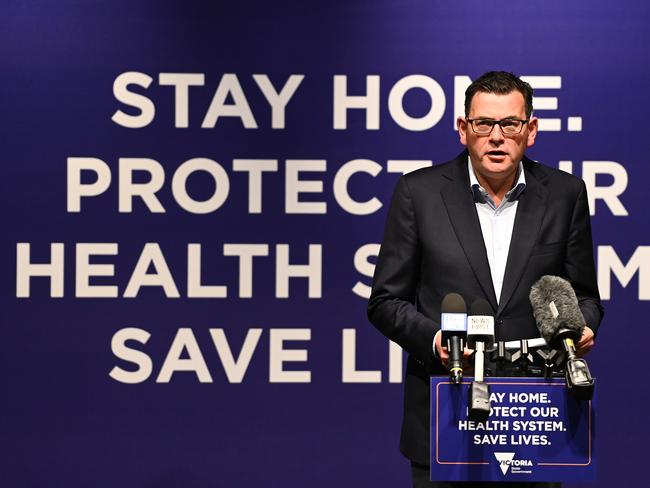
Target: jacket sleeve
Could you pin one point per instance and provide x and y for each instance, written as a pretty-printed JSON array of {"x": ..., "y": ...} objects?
[
  {"x": 579, "y": 262},
  {"x": 391, "y": 307}
]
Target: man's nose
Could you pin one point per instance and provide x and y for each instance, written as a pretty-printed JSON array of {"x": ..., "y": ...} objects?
[{"x": 497, "y": 134}]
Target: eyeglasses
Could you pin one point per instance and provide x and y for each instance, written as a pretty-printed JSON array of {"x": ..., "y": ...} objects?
[{"x": 509, "y": 127}]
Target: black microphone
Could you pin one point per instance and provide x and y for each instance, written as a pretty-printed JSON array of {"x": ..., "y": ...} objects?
[
  {"x": 502, "y": 358},
  {"x": 523, "y": 358},
  {"x": 453, "y": 323},
  {"x": 480, "y": 331},
  {"x": 560, "y": 323}
]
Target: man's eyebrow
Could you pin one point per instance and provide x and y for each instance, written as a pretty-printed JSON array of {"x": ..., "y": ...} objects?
[{"x": 492, "y": 118}]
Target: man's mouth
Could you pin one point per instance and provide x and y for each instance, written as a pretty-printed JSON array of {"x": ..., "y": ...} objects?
[{"x": 497, "y": 155}]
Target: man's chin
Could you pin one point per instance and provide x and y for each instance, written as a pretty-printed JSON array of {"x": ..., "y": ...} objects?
[
  {"x": 504, "y": 166},
  {"x": 491, "y": 169}
]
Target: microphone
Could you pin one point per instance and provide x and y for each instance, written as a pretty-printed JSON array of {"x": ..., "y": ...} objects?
[
  {"x": 453, "y": 323},
  {"x": 523, "y": 357},
  {"x": 560, "y": 323},
  {"x": 480, "y": 331},
  {"x": 501, "y": 357}
]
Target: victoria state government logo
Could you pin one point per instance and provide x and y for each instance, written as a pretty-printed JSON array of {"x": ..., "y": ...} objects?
[{"x": 507, "y": 461}]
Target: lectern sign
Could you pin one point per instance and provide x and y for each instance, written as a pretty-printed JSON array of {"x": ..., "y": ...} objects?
[{"x": 536, "y": 432}]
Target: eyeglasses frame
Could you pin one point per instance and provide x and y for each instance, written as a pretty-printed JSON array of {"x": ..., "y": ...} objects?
[{"x": 498, "y": 122}]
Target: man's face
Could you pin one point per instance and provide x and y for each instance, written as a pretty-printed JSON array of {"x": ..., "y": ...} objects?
[{"x": 496, "y": 156}]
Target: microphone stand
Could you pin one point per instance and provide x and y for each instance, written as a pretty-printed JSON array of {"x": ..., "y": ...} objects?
[
  {"x": 523, "y": 358},
  {"x": 479, "y": 391},
  {"x": 552, "y": 360},
  {"x": 500, "y": 356}
]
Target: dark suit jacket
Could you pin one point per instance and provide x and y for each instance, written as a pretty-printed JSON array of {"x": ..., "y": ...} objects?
[{"x": 433, "y": 246}]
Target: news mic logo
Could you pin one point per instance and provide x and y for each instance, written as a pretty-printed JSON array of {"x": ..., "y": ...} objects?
[
  {"x": 481, "y": 324},
  {"x": 507, "y": 460}
]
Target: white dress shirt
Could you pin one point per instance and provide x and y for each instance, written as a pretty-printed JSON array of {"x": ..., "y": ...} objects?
[{"x": 496, "y": 223}]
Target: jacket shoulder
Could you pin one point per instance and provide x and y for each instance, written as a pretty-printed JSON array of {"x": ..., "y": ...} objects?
[
  {"x": 553, "y": 177},
  {"x": 433, "y": 175}
]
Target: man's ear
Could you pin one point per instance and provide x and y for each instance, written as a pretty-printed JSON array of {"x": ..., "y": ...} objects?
[
  {"x": 532, "y": 131},
  {"x": 461, "y": 123}
]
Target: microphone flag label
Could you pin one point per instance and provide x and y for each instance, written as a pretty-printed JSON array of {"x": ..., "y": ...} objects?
[
  {"x": 453, "y": 322},
  {"x": 536, "y": 431},
  {"x": 480, "y": 324}
]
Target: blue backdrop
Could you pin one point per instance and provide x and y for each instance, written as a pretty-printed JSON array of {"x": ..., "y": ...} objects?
[{"x": 115, "y": 372}]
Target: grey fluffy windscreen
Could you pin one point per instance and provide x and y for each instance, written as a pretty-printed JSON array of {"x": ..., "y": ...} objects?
[{"x": 559, "y": 291}]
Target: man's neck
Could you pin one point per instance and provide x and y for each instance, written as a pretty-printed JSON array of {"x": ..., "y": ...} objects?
[{"x": 497, "y": 187}]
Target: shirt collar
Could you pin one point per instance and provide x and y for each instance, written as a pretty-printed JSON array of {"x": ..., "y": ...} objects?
[{"x": 481, "y": 195}]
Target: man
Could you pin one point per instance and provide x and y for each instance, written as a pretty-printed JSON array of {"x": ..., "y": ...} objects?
[{"x": 487, "y": 224}]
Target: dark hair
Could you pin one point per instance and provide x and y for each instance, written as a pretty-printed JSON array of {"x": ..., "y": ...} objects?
[{"x": 502, "y": 83}]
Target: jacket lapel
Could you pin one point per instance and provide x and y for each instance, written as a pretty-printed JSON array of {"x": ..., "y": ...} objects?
[
  {"x": 530, "y": 212},
  {"x": 459, "y": 203}
]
